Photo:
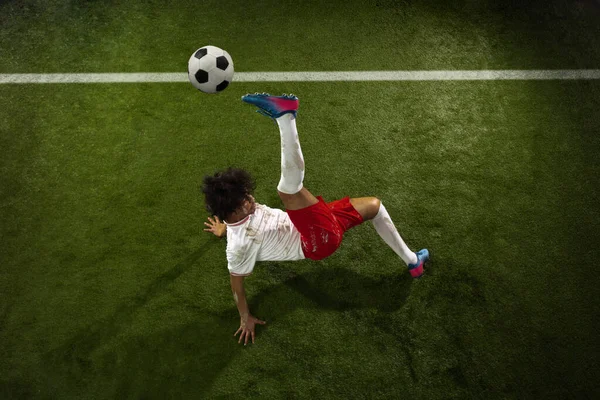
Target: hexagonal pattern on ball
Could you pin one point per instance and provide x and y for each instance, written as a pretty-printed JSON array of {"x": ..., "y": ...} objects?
[
  {"x": 201, "y": 76},
  {"x": 210, "y": 69},
  {"x": 222, "y": 86},
  {"x": 222, "y": 63},
  {"x": 201, "y": 53}
]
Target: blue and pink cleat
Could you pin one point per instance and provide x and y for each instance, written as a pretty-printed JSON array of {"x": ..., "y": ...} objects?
[
  {"x": 273, "y": 106},
  {"x": 416, "y": 270}
]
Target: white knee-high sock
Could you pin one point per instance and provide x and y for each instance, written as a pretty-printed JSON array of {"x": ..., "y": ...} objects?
[
  {"x": 292, "y": 161},
  {"x": 388, "y": 232}
]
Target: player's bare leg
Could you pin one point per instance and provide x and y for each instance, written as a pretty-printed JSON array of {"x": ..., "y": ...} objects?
[
  {"x": 367, "y": 207},
  {"x": 298, "y": 201}
]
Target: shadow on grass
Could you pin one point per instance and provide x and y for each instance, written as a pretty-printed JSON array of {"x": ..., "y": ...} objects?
[
  {"x": 72, "y": 360},
  {"x": 340, "y": 289},
  {"x": 186, "y": 360}
]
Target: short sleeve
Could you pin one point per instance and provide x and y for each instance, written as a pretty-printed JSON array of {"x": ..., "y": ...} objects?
[{"x": 240, "y": 262}]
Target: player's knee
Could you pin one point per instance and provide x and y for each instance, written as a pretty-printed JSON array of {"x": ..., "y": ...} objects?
[
  {"x": 374, "y": 204},
  {"x": 368, "y": 207}
]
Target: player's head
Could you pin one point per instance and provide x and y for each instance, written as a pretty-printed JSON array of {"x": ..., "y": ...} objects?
[{"x": 227, "y": 191}]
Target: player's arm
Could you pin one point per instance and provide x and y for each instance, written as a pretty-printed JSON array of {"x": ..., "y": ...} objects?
[
  {"x": 239, "y": 295},
  {"x": 247, "y": 320},
  {"x": 216, "y": 227}
]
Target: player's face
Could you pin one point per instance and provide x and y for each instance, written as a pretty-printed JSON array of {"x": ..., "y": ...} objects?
[{"x": 249, "y": 205}]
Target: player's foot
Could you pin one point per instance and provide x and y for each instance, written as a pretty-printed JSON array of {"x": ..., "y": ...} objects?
[
  {"x": 416, "y": 270},
  {"x": 273, "y": 106}
]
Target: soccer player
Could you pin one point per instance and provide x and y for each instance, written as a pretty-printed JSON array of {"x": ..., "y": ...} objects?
[{"x": 310, "y": 227}]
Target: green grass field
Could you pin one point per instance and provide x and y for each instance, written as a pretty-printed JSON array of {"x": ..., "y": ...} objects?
[{"x": 109, "y": 289}]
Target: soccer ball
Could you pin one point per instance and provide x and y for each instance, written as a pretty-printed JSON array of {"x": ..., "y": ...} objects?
[{"x": 210, "y": 69}]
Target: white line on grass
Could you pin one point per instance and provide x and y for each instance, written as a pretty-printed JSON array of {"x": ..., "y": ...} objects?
[{"x": 312, "y": 76}]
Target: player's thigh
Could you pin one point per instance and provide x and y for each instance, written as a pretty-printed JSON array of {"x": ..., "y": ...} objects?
[
  {"x": 298, "y": 201},
  {"x": 367, "y": 207}
]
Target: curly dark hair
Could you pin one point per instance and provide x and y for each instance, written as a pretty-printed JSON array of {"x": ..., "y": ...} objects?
[{"x": 225, "y": 191}]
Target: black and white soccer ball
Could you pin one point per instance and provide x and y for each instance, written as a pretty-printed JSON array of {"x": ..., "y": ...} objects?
[{"x": 210, "y": 69}]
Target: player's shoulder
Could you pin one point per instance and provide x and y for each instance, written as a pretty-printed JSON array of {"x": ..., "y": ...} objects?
[{"x": 262, "y": 208}]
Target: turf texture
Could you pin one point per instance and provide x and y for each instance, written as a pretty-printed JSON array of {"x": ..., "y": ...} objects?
[{"x": 110, "y": 289}]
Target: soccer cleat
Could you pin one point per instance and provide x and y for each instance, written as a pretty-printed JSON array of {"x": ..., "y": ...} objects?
[
  {"x": 416, "y": 270},
  {"x": 273, "y": 106}
]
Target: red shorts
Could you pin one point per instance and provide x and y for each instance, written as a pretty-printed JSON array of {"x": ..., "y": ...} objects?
[{"x": 322, "y": 226}]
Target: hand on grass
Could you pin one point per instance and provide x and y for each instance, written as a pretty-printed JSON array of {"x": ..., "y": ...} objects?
[
  {"x": 247, "y": 328},
  {"x": 216, "y": 227}
]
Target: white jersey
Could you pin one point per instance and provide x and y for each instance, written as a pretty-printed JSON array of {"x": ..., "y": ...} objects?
[{"x": 268, "y": 234}]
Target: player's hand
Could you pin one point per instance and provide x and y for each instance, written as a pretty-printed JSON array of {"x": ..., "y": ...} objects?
[
  {"x": 216, "y": 227},
  {"x": 247, "y": 328}
]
